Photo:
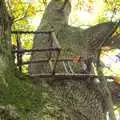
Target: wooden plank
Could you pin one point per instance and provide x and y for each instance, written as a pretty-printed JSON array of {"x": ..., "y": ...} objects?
[
  {"x": 50, "y": 40},
  {"x": 64, "y": 65},
  {"x": 55, "y": 63},
  {"x": 33, "y": 62},
  {"x": 67, "y": 75},
  {"x": 42, "y": 75},
  {"x": 31, "y": 32},
  {"x": 46, "y": 60},
  {"x": 36, "y": 50},
  {"x": 51, "y": 65},
  {"x": 55, "y": 40},
  {"x": 19, "y": 55},
  {"x": 70, "y": 67},
  {"x": 78, "y": 75}
]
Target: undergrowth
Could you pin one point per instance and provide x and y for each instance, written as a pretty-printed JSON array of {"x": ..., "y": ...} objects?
[{"x": 22, "y": 94}]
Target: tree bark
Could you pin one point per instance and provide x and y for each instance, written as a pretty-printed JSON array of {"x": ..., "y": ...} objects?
[
  {"x": 81, "y": 99},
  {"x": 5, "y": 39},
  {"x": 74, "y": 99}
]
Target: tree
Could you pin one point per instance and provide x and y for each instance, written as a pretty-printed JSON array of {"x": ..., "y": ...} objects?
[
  {"x": 5, "y": 26},
  {"x": 80, "y": 100},
  {"x": 63, "y": 99},
  {"x": 15, "y": 95}
]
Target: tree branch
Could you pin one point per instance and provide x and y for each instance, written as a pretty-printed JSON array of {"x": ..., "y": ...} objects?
[
  {"x": 25, "y": 15},
  {"x": 110, "y": 34},
  {"x": 10, "y": 9}
]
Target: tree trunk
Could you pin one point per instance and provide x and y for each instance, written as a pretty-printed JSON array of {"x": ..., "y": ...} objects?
[
  {"x": 15, "y": 95},
  {"x": 68, "y": 99},
  {"x": 79, "y": 99},
  {"x": 5, "y": 40},
  {"x": 7, "y": 111}
]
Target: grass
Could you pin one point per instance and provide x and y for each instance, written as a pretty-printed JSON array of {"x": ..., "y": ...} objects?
[
  {"x": 21, "y": 94},
  {"x": 33, "y": 102}
]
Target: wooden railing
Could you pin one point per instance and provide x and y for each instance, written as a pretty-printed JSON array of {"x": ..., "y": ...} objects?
[
  {"x": 51, "y": 60},
  {"x": 20, "y": 50}
]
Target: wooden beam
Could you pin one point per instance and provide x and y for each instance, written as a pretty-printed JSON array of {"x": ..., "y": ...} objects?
[
  {"x": 66, "y": 70},
  {"x": 46, "y": 60},
  {"x": 36, "y": 50},
  {"x": 70, "y": 67},
  {"x": 55, "y": 40},
  {"x": 19, "y": 55},
  {"x": 50, "y": 40},
  {"x": 31, "y": 32},
  {"x": 33, "y": 62},
  {"x": 78, "y": 75},
  {"x": 51, "y": 65},
  {"x": 67, "y": 75},
  {"x": 42, "y": 75},
  {"x": 55, "y": 63}
]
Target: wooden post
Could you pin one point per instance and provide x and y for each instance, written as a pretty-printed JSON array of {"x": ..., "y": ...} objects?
[
  {"x": 70, "y": 67},
  {"x": 55, "y": 40},
  {"x": 19, "y": 55},
  {"x": 53, "y": 36},
  {"x": 64, "y": 65},
  {"x": 50, "y": 40}
]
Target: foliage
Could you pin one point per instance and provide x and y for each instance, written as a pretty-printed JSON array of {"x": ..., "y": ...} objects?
[
  {"x": 91, "y": 12},
  {"x": 25, "y": 96},
  {"x": 21, "y": 94},
  {"x": 21, "y": 11},
  {"x": 111, "y": 63}
]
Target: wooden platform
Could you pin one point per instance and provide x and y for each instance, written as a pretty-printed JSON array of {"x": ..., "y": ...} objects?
[{"x": 52, "y": 61}]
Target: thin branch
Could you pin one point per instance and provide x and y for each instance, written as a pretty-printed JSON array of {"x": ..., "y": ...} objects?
[
  {"x": 114, "y": 10},
  {"x": 20, "y": 18},
  {"x": 9, "y": 8},
  {"x": 24, "y": 16},
  {"x": 107, "y": 37},
  {"x": 117, "y": 107}
]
